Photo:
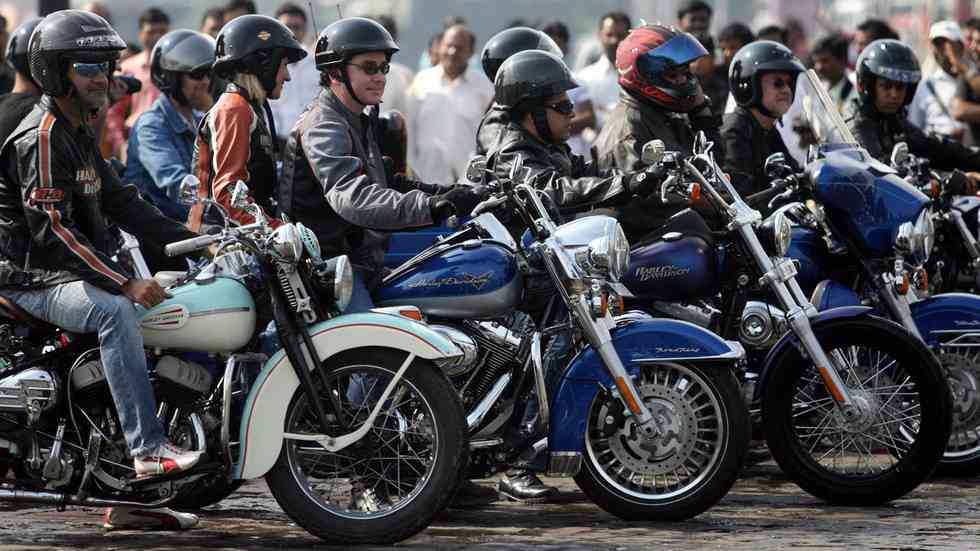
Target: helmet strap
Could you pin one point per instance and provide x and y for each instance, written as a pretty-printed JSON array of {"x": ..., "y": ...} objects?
[
  {"x": 345, "y": 78},
  {"x": 540, "y": 119}
]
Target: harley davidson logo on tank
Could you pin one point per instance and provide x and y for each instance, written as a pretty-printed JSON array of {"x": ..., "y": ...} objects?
[
  {"x": 648, "y": 273},
  {"x": 475, "y": 281}
]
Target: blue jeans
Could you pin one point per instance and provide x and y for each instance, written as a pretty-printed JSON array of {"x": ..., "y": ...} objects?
[
  {"x": 81, "y": 307},
  {"x": 362, "y": 387}
]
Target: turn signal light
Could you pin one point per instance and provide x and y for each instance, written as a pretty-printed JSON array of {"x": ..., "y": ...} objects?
[
  {"x": 904, "y": 284},
  {"x": 411, "y": 314},
  {"x": 695, "y": 193}
]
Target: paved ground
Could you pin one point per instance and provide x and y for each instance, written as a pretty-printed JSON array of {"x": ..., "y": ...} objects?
[{"x": 763, "y": 512}]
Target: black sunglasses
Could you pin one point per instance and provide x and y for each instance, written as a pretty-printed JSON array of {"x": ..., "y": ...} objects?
[
  {"x": 779, "y": 83},
  {"x": 564, "y": 107},
  {"x": 372, "y": 68},
  {"x": 91, "y": 70},
  {"x": 199, "y": 74}
]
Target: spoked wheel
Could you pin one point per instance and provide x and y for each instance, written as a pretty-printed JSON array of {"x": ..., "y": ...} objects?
[
  {"x": 891, "y": 439},
  {"x": 962, "y": 456},
  {"x": 684, "y": 471},
  {"x": 390, "y": 484}
]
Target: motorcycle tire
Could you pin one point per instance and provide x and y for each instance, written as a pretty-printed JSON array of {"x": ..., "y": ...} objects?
[
  {"x": 706, "y": 421},
  {"x": 912, "y": 444},
  {"x": 443, "y": 420}
]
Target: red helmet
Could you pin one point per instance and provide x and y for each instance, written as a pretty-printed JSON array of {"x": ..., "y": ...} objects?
[{"x": 651, "y": 51}]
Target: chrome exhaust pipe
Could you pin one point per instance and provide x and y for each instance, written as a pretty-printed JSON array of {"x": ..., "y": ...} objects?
[{"x": 62, "y": 500}]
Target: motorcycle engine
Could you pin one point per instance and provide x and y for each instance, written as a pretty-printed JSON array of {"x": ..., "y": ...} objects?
[
  {"x": 177, "y": 381},
  {"x": 29, "y": 393},
  {"x": 489, "y": 348}
]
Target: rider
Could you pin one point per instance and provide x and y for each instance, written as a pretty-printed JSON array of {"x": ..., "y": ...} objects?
[
  {"x": 236, "y": 139},
  {"x": 887, "y": 76},
  {"x": 500, "y": 47},
  {"x": 335, "y": 180},
  {"x": 762, "y": 77},
  {"x": 659, "y": 99},
  {"x": 161, "y": 143},
  {"x": 56, "y": 194}
]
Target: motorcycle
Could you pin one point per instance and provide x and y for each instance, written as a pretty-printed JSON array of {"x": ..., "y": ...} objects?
[
  {"x": 647, "y": 416},
  {"x": 347, "y": 462}
]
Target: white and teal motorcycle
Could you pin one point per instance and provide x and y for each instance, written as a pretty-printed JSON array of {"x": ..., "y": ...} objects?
[{"x": 353, "y": 424}]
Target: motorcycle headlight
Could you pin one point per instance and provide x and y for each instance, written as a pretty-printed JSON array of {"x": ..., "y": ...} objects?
[
  {"x": 335, "y": 280},
  {"x": 310, "y": 241},
  {"x": 916, "y": 240},
  {"x": 598, "y": 245},
  {"x": 776, "y": 233},
  {"x": 287, "y": 243},
  {"x": 610, "y": 254}
]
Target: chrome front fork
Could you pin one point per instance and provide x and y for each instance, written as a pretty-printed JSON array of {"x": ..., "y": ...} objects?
[{"x": 972, "y": 247}]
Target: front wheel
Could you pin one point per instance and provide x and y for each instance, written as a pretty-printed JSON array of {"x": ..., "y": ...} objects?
[
  {"x": 893, "y": 438},
  {"x": 684, "y": 471},
  {"x": 389, "y": 485}
]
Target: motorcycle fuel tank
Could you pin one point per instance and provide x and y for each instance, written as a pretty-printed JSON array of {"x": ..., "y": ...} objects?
[
  {"x": 474, "y": 279},
  {"x": 212, "y": 316},
  {"x": 675, "y": 267}
]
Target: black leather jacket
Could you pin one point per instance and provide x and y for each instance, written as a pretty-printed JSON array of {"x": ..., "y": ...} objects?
[
  {"x": 747, "y": 145},
  {"x": 620, "y": 143},
  {"x": 492, "y": 125},
  {"x": 56, "y": 194},
  {"x": 879, "y": 133}
]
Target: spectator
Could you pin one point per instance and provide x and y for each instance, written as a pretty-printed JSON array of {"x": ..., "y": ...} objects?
[
  {"x": 796, "y": 35},
  {"x": 933, "y": 101},
  {"x": 100, "y": 9},
  {"x": 774, "y": 33},
  {"x": 400, "y": 76},
  {"x": 445, "y": 105},
  {"x": 7, "y": 74},
  {"x": 694, "y": 16},
  {"x": 430, "y": 57},
  {"x": 601, "y": 78},
  {"x": 966, "y": 103},
  {"x": 830, "y": 62},
  {"x": 731, "y": 39},
  {"x": 584, "y": 113},
  {"x": 971, "y": 38},
  {"x": 869, "y": 31},
  {"x": 153, "y": 24},
  {"x": 304, "y": 83},
  {"x": 212, "y": 21},
  {"x": 713, "y": 82},
  {"x": 237, "y": 8}
]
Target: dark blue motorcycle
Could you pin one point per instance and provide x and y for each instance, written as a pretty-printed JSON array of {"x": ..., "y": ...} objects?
[{"x": 647, "y": 414}]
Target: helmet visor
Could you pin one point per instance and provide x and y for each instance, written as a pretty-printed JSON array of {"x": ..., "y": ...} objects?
[
  {"x": 898, "y": 75},
  {"x": 680, "y": 50}
]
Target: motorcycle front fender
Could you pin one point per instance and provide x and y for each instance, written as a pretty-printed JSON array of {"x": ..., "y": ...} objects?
[
  {"x": 648, "y": 341},
  {"x": 264, "y": 414},
  {"x": 946, "y": 316},
  {"x": 824, "y": 318},
  {"x": 832, "y": 294}
]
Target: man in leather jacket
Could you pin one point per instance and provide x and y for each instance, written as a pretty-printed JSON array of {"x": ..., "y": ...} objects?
[
  {"x": 335, "y": 180},
  {"x": 660, "y": 99},
  {"x": 763, "y": 80},
  {"x": 56, "y": 194},
  {"x": 887, "y": 76}
]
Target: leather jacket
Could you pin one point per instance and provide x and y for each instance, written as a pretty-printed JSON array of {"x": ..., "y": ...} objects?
[
  {"x": 747, "y": 145},
  {"x": 56, "y": 194},
  {"x": 631, "y": 125},
  {"x": 335, "y": 182},
  {"x": 492, "y": 125},
  {"x": 879, "y": 133}
]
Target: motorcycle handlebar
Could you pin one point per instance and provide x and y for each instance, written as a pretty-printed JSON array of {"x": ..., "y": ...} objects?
[{"x": 185, "y": 246}]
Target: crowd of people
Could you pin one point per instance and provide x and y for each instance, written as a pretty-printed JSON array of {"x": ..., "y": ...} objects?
[{"x": 334, "y": 133}]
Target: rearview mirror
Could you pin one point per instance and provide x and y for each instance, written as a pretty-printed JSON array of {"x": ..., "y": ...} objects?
[
  {"x": 516, "y": 168},
  {"x": 189, "y": 188},
  {"x": 900, "y": 154},
  {"x": 653, "y": 152},
  {"x": 239, "y": 195},
  {"x": 475, "y": 169},
  {"x": 776, "y": 166}
]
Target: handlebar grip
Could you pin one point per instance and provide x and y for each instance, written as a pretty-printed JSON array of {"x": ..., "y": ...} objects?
[
  {"x": 178, "y": 248},
  {"x": 763, "y": 197}
]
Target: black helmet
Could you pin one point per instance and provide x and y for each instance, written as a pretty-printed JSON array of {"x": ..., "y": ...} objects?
[
  {"x": 69, "y": 35},
  {"x": 181, "y": 51},
  {"x": 751, "y": 62},
  {"x": 510, "y": 41},
  {"x": 888, "y": 59},
  {"x": 531, "y": 76},
  {"x": 344, "y": 39},
  {"x": 20, "y": 39},
  {"x": 255, "y": 44}
]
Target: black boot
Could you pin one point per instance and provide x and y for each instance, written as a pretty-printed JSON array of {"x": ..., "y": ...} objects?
[{"x": 524, "y": 486}]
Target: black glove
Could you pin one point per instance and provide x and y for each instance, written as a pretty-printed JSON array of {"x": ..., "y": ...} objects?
[
  {"x": 646, "y": 182},
  {"x": 460, "y": 200}
]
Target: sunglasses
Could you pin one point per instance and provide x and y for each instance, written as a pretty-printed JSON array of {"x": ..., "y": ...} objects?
[
  {"x": 199, "y": 75},
  {"x": 91, "y": 70},
  {"x": 564, "y": 107},
  {"x": 780, "y": 83},
  {"x": 372, "y": 68}
]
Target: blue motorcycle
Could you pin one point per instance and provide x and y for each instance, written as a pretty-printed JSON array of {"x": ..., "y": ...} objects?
[
  {"x": 854, "y": 409},
  {"x": 646, "y": 416}
]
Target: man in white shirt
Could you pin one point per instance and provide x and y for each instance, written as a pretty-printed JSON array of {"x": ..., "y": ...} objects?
[
  {"x": 304, "y": 81},
  {"x": 931, "y": 107},
  {"x": 445, "y": 105},
  {"x": 400, "y": 77},
  {"x": 601, "y": 79},
  {"x": 829, "y": 56}
]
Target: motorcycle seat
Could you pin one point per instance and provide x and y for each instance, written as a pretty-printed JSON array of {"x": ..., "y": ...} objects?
[
  {"x": 10, "y": 310},
  {"x": 687, "y": 223}
]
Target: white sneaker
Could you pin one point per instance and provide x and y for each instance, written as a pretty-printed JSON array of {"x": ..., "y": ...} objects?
[
  {"x": 165, "y": 459},
  {"x": 128, "y": 518}
]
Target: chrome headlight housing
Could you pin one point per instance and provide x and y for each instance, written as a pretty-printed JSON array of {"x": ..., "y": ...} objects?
[
  {"x": 335, "y": 281},
  {"x": 287, "y": 243},
  {"x": 776, "y": 234},
  {"x": 916, "y": 239},
  {"x": 598, "y": 246}
]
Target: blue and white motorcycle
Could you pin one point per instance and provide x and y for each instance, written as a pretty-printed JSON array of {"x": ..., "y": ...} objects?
[
  {"x": 353, "y": 424},
  {"x": 647, "y": 415}
]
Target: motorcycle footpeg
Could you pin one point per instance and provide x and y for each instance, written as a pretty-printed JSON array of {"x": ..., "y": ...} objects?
[{"x": 199, "y": 469}]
